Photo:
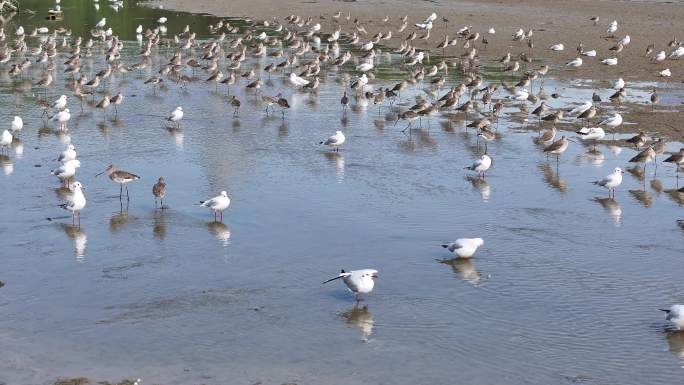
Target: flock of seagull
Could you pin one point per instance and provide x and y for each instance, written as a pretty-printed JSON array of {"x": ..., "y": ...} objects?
[{"x": 299, "y": 45}]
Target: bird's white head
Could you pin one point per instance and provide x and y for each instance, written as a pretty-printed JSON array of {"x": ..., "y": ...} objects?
[
  {"x": 179, "y": 108},
  {"x": 66, "y": 110},
  {"x": 78, "y": 184},
  {"x": 479, "y": 241},
  {"x": 618, "y": 170},
  {"x": 71, "y": 147},
  {"x": 224, "y": 194}
]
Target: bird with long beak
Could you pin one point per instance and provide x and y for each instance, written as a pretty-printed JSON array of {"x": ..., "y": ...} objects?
[{"x": 358, "y": 281}]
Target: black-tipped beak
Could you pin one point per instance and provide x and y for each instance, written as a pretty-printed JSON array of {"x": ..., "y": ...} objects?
[
  {"x": 332, "y": 279},
  {"x": 375, "y": 275},
  {"x": 96, "y": 175}
]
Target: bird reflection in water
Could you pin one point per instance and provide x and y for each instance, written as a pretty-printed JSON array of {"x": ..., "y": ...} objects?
[
  {"x": 78, "y": 236},
  {"x": 482, "y": 186},
  {"x": 657, "y": 185},
  {"x": 592, "y": 157},
  {"x": 675, "y": 342},
  {"x": 465, "y": 268},
  {"x": 6, "y": 165},
  {"x": 612, "y": 208},
  {"x": 336, "y": 159},
  {"x": 119, "y": 220},
  {"x": 643, "y": 197},
  {"x": 677, "y": 195},
  {"x": 159, "y": 224},
  {"x": 18, "y": 147},
  {"x": 221, "y": 231},
  {"x": 551, "y": 177},
  {"x": 362, "y": 318}
]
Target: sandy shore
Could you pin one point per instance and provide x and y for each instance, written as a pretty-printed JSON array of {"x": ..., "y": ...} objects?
[{"x": 553, "y": 21}]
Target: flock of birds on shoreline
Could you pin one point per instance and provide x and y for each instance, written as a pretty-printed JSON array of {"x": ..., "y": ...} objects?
[{"x": 290, "y": 47}]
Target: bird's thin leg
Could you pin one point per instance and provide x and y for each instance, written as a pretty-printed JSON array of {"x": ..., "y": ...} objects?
[
  {"x": 127, "y": 196},
  {"x": 120, "y": 191}
]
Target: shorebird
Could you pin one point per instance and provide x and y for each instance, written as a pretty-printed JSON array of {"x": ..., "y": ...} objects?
[
  {"x": 344, "y": 101},
  {"x": 116, "y": 100},
  {"x": 159, "y": 192},
  {"x": 235, "y": 103},
  {"x": 464, "y": 247},
  {"x": 558, "y": 147},
  {"x": 217, "y": 204},
  {"x": 637, "y": 140},
  {"x": 612, "y": 181},
  {"x": 645, "y": 156},
  {"x": 357, "y": 281},
  {"x": 481, "y": 165},
  {"x": 176, "y": 116},
  {"x": 487, "y": 135},
  {"x": 335, "y": 141},
  {"x": 654, "y": 99},
  {"x": 66, "y": 171},
  {"x": 121, "y": 177},
  {"x": 675, "y": 314},
  {"x": 75, "y": 203}
]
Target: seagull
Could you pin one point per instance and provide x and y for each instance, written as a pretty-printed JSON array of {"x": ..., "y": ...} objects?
[
  {"x": 591, "y": 133},
  {"x": 358, "y": 281},
  {"x": 579, "y": 110},
  {"x": 162, "y": 20},
  {"x": 17, "y": 124},
  {"x": 557, "y": 47},
  {"x": 62, "y": 117},
  {"x": 159, "y": 191},
  {"x": 676, "y": 54},
  {"x": 335, "y": 140},
  {"x": 481, "y": 165},
  {"x": 611, "y": 181},
  {"x": 675, "y": 314},
  {"x": 121, "y": 177},
  {"x": 660, "y": 56},
  {"x": 217, "y": 204},
  {"x": 75, "y": 203},
  {"x": 590, "y": 53},
  {"x": 176, "y": 116},
  {"x": 464, "y": 247},
  {"x": 5, "y": 140},
  {"x": 66, "y": 171},
  {"x": 619, "y": 84},
  {"x": 613, "y": 121},
  {"x": 139, "y": 30},
  {"x": 574, "y": 63},
  {"x": 100, "y": 24},
  {"x": 68, "y": 154},
  {"x": 297, "y": 81},
  {"x": 666, "y": 73},
  {"x": 612, "y": 27},
  {"x": 610, "y": 61},
  {"x": 60, "y": 103}
]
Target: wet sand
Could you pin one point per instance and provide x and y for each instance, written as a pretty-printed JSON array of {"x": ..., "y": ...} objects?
[{"x": 563, "y": 21}]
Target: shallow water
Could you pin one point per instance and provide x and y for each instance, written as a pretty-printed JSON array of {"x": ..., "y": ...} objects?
[{"x": 565, "y": 289}]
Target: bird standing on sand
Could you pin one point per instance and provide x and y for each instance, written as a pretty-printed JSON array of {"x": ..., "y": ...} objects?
[
  {"x": 464, "y": 247},
  {"x": 121, "y": 177},
  {"x": 357, "y": 281},
  {"x": 159, "y": 192},
  {"x": 335, "y": 141},
  {"x": 217, "y": 204}
]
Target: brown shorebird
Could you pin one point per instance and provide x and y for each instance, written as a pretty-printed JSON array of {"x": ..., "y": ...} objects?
[
  {"x": 410, "y": 116},
  {"x": 487, "y": 135},
  {"x": 121, "y": 177},
  {"x": 283, "y": 104},
  {"x": 558, "y": 147},
  {"x": 235, "y": 103},
  {"x": 159, "y": 192},
  {"x": 547, "y": 135},
  {"x": 638, "y": 140},
  {"x": 116, "y": 100},
  {"x": 654, "y": 99},
  {"x": 539, "y": 111},
  {"x": 344, "y": 101},
  {"x": 645, "y": 156}
]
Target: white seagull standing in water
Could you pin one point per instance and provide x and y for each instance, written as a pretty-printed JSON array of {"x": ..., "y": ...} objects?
[
  {"x": 297, "y": 81},
  {"x": 75, "y": 203},
  {"x": 481, "y": 165},
  {"x": 68, "y": 154},
  {"x": 613, "y": 121},
  {"x": 62, "y": 117},
  {"x": 464, "y": 247},
  {"x": 611, "y": 181},
  {"x": 335, "y": 140},
  {"x": 358, "y": 281},
  {"x": 5, "y": 140},
  {"x": 217, "y": 204},
  {"x": 176, "y": 116},
  {"x": 675, "y": 314},
  {"x": 17, "y": 124}
]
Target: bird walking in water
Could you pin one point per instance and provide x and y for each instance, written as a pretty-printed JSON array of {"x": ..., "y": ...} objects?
[
  {"x": 344, "y": 101},
  {"x": 176, "y": 116},
  {"x": 75, "y": 203},
  {"x": 121, "y": 177},
  {"x": 159, "y": 192},
  {"x": 217, "y": 204},
  {"x": 481, "y": 165},
  {"x": 357, "y": 281}
]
